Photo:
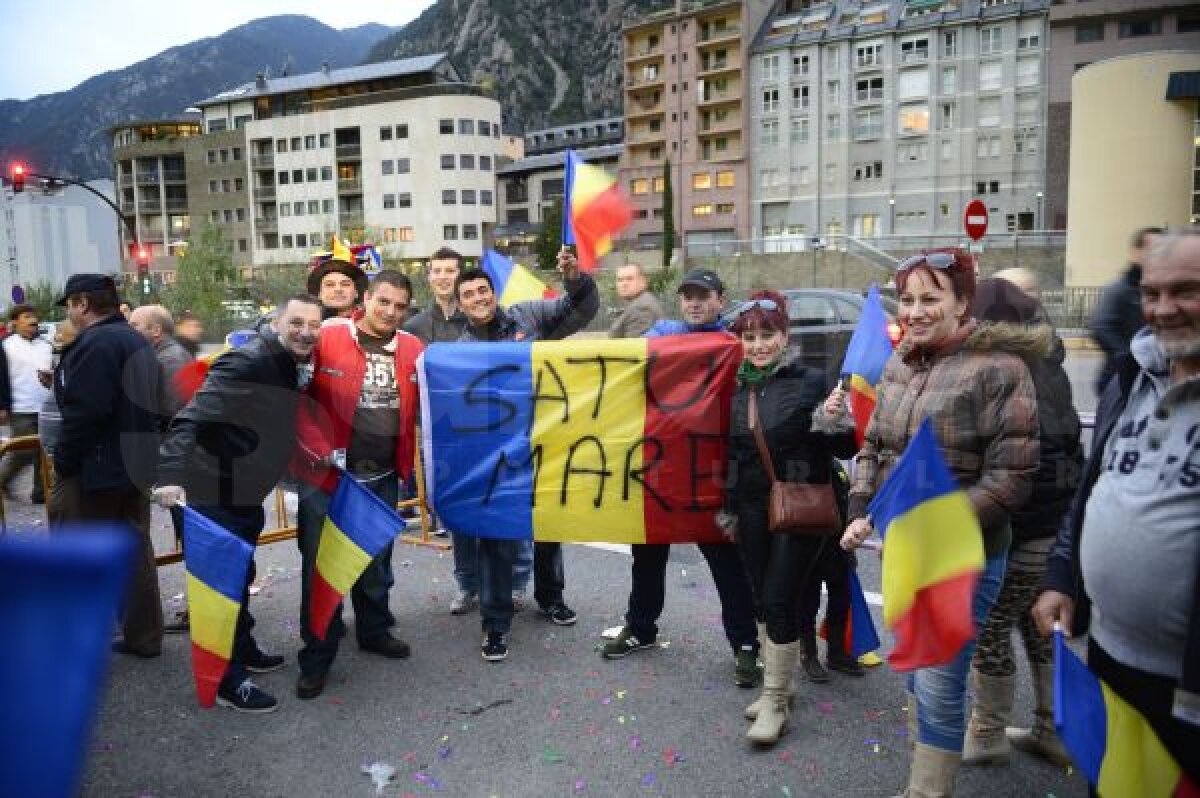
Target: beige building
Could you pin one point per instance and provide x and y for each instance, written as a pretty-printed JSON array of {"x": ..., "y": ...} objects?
[
  {"x": 1134, "y": 168},
  {"x": 686, "y": 74},
  {"x": 1083, "y": 32}
]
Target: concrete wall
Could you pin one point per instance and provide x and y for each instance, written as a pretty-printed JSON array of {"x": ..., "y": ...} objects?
[{"x": 1129, "y": 168}]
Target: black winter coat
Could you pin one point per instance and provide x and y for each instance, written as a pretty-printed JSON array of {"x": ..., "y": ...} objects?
[
  {"x": 787, "y": 401},
  {"x": 231, "y": 444},
  {"x": 108, "y": 388},
  {"x": 542, "y": 319}
]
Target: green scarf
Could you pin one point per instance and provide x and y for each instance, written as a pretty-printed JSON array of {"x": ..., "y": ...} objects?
[{"x": 750, "y": 374}]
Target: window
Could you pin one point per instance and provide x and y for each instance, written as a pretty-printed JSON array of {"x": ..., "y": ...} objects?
[
  {"x": 466, "y": 162},
  {"x": 404, "y": 200},
  {"x": 799, "y": 176},
  {"x": 912, "y": 83},
  {"x": 989, "y": 112},
  {"x": 725, "y": 208},
  {"x": 238, "y": 184},
  {"x": 385, "y": 134},
  {"x": 280, "y": 146},
  {"x": 991, "y": 75},
  {"x": 912, "y": 151},
  {"x": 1187, "y": 24},
  {"x": 949, "y": 44},
  {"x": 326, "y": 140},
  {"x": 297, "y": 209},
  {"x": 402, "y": 166},
  {"x": 466, "y": 127},
  {"x": 1029, "y": 71},
  {"x": 225, "y": 186},
  {"x": 799, "y": 65},
  {"x": 987, "y": 147},
  {"x": 212, "y": 156},
  {"x": 799, "y": 130},
  {"x": 833, "y": 92},
  {"x": 282, "y": 178},
  {"x": 1025, "y": 141},
  {"x": 552, "y": 187},
  {"x": 228, "y": 216},
  {"x": 705, "y": 209},
  {"x": 297, "y": 176},
  {"x": 297, "y": 144},
  {"x": 991, "y": 40},
  {"x": 216, "y": 125},
  {"x": 768, "y": 135},
  {"x": 660, "y": 185},
  {"x": 800, "y": 97},
  {"x": 702, "y": 181},
  {"x": 912, "y": 119},
  {"x": 485, "y": 163},
  {"x": 1130, "y": 28},
  {"x": 310, "y": 143},
  {"x": 484, "y": 127},
  {"x": 447, "y": 161},
  {"x": 301, "y": 240},
  {"x": 327, "y": 173},
  {"x": 285, "y": 209},
  {"x": 314, "y": 207},
  {"x": 449, "y": 197},
  {"x": 446, "y": 126},
  {"x": 240, "y": 214},
  {"x": 327, "y": 206},
  {"x": 1029, "y": 34},
  {"x": 1027, "y": 108},
  {"x": 450, "y": 232},
  {"x": 868, "y": 124},
  {"x": 485, "y": 197},
  {"x": 405, "y": 234},
  {"x": 242, "y": 247},
  {"x": 833, "y": 59},
  {"x": 769, "y": 178},
  {"x": 310, "y": 174},
  {"x": 872, "y": 170},
  {"x": 213, "y": 186},
  {"x": 947, "y": 116},
  {"x": 236, "y": 153},
  {"x": 770, "y": 68},
  {"x": 868, "y": 89},
  {"x": 833, "y": 127},
  {"x": 224, "y": 156},
  {"x": 947, "y": 149},
  {"x": 470, "y": 232},
  {"x": 830, "y": 172},
  {"x": 287, "y": 242},
  {"x": 869, "y": 55},
  {"x": 639, "y": 185},
  {"x": 725, "y": 179},
  {"x": 914, "y": 50},
  {"x": 1087, "y": 32},
  {"x": 770, "y": 103}
]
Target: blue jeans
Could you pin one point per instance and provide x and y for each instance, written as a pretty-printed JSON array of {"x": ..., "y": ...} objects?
[
  {"x": 466, "y": 563},
  {"x": 498, "y": 567},
  {"x": 372, "y": 616},
  {"x": 942, "y": 691}
]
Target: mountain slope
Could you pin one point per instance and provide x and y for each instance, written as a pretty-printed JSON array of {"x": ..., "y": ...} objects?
[{"x": 66, "y": 132}]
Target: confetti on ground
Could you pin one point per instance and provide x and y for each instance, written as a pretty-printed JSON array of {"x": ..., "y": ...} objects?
[
  {"x": 445, "y": 751},
  {"x": 670, "y": 757},
  {"x": 551, "y": 756},
  {"x": 635, "y": 742},
  {"x": 825, "y": 707},
  {"x": 649, "y": 779},
  {"x": 787, "y": 791},
  {"x": 381, "y": 774},
  {"x": 580, "y": 785},
  {"x": 428, "y": 780},
  {"x": 610, "y": 634}
]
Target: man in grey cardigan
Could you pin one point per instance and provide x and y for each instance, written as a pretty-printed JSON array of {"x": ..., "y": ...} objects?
[{"x": 642, "y": 308}]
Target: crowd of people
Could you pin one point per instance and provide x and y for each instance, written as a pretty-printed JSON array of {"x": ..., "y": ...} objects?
[{"x": 1109, "y": 547}]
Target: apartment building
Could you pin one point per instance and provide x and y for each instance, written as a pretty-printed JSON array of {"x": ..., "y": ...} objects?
[
  {"x": 400, "y": 153},
  {"x": 884, "y": 118},
  {"x": 685, "y": 71},
  {"x": 1084, "y": 32},
  {"x": 581, "y": 135}
]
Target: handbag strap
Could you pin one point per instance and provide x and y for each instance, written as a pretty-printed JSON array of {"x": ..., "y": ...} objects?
[{"x": 756, "y": 428}]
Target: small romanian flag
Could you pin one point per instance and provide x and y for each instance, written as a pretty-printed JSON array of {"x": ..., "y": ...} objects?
[
  {"x": 861, "y": 637},
  {"x": 1109, "y": 740},
  {"x": 217, "y": 563},
  {"x": 594, "y": 210},
  {"x": 358, "y": 526},
  {"x": 868, "y": 352},
  {"x": 513, "y": 282},
  {"x": 933, "y": 554}
]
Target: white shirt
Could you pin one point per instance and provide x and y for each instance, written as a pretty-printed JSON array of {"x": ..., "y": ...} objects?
[{"x": 25, "y": 358}]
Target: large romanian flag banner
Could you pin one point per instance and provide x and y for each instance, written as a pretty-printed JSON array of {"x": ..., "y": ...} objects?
[
  {"x": 1109, "y": 740},
  {"x": 512, "y": 282},
  {"x": 357, "y": 527},
  {"x": 932, "y": 556},
  {"x": 618, "y": 441},
  {"x": 866, "y": 355},
  {"x": 217, "y": 563},
  {"x": 594, "y": 210}
]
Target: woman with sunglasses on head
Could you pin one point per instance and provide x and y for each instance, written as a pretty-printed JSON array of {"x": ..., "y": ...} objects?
[
  {"x": 967, "y": 377},
  {"x": 803, "y": 431}
]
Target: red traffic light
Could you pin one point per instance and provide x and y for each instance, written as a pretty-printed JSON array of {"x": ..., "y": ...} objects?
[{"x": 18, "y": 172}]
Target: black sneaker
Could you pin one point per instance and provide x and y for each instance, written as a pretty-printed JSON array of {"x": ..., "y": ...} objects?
[
  {"x": 495, "y": 647},
  {"x": 387, "y": 646},
  {"x": 560, "y": 614},
  {"x": 625, "y": 644},
  {"x": 258, "y": 662},
  {"x": 310, "y": 685},
  {"x": 247, "y": 697}
]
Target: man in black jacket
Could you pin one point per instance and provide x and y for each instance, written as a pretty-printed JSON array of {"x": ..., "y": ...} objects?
[
  {"x": 107, "y": 387},
  {"x": 1118, "y": 314},
  {"x": 227, "y": 449}
]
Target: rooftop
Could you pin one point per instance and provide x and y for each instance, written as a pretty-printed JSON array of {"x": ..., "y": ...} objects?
[{"x": 553, "y": 159}]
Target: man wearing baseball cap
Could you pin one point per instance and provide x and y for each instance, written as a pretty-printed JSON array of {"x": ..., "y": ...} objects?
[
  {"x": 339, "y": 285},
  {"x": 701, "y": 296}
]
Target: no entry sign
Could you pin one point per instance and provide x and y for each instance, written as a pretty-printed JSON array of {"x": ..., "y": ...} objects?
[{"x": 975, "y": 220}]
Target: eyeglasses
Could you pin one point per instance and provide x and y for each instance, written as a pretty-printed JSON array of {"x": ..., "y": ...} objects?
[
  {"x": 935, "y": 260},
  {"x": 769, "y": 305}
]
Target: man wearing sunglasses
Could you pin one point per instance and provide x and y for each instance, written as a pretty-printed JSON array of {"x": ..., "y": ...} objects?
[{"x": 701, "y": 297}]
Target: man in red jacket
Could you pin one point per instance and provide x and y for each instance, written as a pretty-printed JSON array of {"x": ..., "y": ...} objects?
[{"x": 361, "y": 419}]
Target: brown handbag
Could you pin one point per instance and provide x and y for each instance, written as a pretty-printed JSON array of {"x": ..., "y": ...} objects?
[{"x": 794, "y": 508}]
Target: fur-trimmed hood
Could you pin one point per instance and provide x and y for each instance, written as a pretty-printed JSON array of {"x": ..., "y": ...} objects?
[{"x": 1027, "y": 341}]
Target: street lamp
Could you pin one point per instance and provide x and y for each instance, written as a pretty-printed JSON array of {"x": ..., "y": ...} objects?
[
  {"x": 1038, "y": 221},
  {"x": 892, "y": 215}
]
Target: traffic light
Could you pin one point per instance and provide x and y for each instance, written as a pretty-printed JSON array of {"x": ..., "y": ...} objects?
[
  {"x": 18, "y": 171},
  {"x": 141, "y": 256}
]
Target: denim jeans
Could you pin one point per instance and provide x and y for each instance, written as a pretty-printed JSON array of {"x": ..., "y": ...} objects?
[
  {"x": 466, "y": 563},
  {"x": 372, "y": 616},
  {"x": 942, "y": 691},
  {"x": 498, "y": 566},
  {"x": 247, "y": 524},
  {"x": 648, "y": 593}
]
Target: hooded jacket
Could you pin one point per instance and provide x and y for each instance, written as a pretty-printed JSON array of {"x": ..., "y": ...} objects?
[
  {"x": 983, "y": 406},
  {"x": 542, "y": 319}
]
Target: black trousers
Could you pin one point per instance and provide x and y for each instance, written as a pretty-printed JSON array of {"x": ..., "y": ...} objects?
[{"x": 832, "y": 569}]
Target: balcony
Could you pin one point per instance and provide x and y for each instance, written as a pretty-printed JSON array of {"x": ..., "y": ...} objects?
[
  {"x": 868, "y": 96},
  {"x": 126, "y": 206},
  {"x": 643, "y": 53},
  {"x": 177, "y": 203},
  {"x": 719, "y": 97},
  {"x": 266, "y": 225},
  {"x": 264, "y": 192},
  {"x": 711, "y": 128},
  {"x": 914, "y": 56},
  {"x": 867, "y": 132},
  {"x": 126, "y": 181},
  {"x": 149, "y": 206},
  {"x": 262, "y": 161},
  {"x": 717, "y": 35},
  {"x": 349, "y": 185},
  {"x": 641, "y": 81},
  {"x": 635, "y": 109},
  {"x": 175, "y": 176},
  {"x": 718, "y": 65},
  {"x": 147, "y": 178},
  {"x": 873, "y": 63},
  {"x": 641, "y": 137},
  {"x": 348, "y": 219},
  {"x": 348, "y": 152}
]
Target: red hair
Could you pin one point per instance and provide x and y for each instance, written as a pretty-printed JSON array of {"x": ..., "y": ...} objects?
[
  {"x": 761, "y": 318},
  {"x": 961, "y": 273}
]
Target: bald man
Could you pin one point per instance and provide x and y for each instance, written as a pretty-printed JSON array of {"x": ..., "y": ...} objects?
[
  {"x": 642, "y": 308},
  {"x": 155, "y": 324}
]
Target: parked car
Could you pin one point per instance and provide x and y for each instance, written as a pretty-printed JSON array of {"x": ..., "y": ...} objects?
[{"x": 821, "y": 323}]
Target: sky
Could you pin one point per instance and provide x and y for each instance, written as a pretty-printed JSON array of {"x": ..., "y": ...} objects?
[{"x": 54, "y": 45}]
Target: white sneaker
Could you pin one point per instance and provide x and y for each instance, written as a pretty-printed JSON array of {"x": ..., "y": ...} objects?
[{"x": 462, "y": 603}]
